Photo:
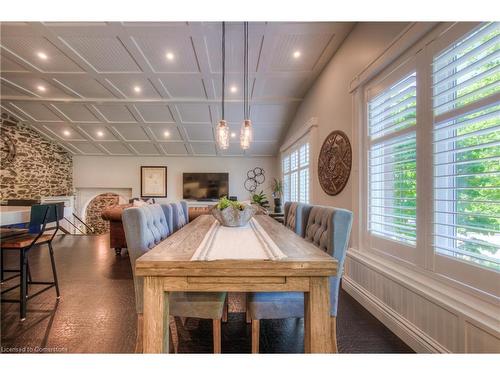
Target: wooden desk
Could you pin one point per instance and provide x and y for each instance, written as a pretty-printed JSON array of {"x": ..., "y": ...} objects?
[{"x": 168, "y": 268}]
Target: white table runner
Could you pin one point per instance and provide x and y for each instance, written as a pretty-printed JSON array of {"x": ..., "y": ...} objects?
[{"x": 248, "y": 242}]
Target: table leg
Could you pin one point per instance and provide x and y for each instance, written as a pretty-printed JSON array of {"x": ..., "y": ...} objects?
[
  {"x": 317, "y": 335},
  {"x": 155, "y": 331}
]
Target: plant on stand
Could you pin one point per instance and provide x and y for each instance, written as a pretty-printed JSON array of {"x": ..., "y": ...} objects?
[
  {"x": 277, "y": 188},
  {"x": 261, "y": 201}
]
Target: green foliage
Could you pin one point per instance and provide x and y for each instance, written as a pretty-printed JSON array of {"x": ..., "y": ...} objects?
[
  {"x": 225, "y": 203},
  {"x": 277, "y": 188},
  {"x": 260, "y": 199}
]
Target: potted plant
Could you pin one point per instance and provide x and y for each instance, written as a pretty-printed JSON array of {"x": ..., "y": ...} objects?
[
  {"x": 261, "y": 201},
  {"x": 277, "y": 188},
  {"x": 232, "y": 213}
]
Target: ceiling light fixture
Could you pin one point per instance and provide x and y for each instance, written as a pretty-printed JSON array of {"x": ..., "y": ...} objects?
[
  {"x": 42, "y": 55},
  {"x": 233, "y": 89},
  {"x": 41, "y": 88},
  {"x": 137, "y": 89},
  {"x": 170, "y": 56},
  {"x": 246, "y": 135},
  {"x": 233, "y": 135},
  {"x": 296, "y": 54},
  {"x": 222, "y": 130},
  {"x": 67, "y": 133},
  {"x": 166, "y": 133},
  {"x": 100, "y": 133}
]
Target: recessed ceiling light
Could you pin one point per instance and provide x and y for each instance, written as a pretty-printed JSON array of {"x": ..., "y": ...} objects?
[
  {"x": 42, "y": 55},
  {"x": 170, "y": 56},
  {"x": 41, "y": 88},
  {"x": 67, "y": 133},
  {"x": 100, "y": 133},
  {"x": 296, "y": 54},
  {"x": 233, "y": 134},
  {"x": 233, "y": 89},
  {"x": 137, "y": 89},
  {"x": 166, "y": 133}
]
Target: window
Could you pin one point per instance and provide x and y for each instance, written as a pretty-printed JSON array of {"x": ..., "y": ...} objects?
[
  {"x": 392, "y": 162},
  {"x": 466, "y": 148},
  {"x": 432, "y": 156},
  {"x": 295, "y": 166}
]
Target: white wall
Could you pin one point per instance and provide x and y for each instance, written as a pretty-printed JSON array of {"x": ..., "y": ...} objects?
[
  {"x": 329, "y": 99},
  {"x": 124, "y": 172}
]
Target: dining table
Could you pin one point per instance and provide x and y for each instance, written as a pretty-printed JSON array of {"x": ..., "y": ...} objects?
[{"x": 174, "y": 265}]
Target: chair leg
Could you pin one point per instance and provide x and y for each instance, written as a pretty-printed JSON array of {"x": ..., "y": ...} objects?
[
  {"x": 1, "y": 265},
  {"x": 334, "y": 335},
  {"x": 217, "y": 335},
  {"x": 138, "y": 339},
  {"x": 225, "y": 311},
  {"x": 24, "y": 283},
  {"x": 174, "y": 334},
  {"x": 247, "y": 314},
  {"x": 255, "y": 336},
  {"x": 30, "y": 279},
  {"x": 54, "y": 272}
]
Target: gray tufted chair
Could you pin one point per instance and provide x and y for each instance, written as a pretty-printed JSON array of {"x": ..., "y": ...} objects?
[
  {"x": 145, "y": 227},
  {"x": 180, "y": 215},
  {"x": 329, "y": 229},
  {"x": 296, "y": 215}
]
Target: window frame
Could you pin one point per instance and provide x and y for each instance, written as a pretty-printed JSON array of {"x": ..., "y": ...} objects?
[
  {"x": 459, "y": 273},
  {"x": 387, "y": 79},
  {"x": 295, "y": 148}
]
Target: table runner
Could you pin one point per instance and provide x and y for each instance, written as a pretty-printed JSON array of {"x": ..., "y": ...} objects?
[{"x": 248, "y": 242}]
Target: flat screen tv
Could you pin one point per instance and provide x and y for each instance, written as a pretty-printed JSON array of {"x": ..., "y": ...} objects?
[{"x": 205, "y": 186}]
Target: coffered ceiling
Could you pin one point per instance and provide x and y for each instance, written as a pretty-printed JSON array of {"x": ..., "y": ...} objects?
[{"x": 154, "y": 88}]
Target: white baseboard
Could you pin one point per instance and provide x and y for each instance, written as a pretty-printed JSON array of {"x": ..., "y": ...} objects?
[{"x": 414, "y": 337}]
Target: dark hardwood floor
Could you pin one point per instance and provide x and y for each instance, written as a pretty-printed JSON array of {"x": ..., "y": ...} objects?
[{"x": 96, "y": 312}]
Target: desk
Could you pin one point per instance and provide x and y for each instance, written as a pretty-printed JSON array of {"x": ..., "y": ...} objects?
[
  {"x": 14, "y": 214},
  {"x": 168, "y": 268}
]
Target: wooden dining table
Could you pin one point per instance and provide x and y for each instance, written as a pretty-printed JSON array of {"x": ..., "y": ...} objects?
[{"x": 168, "y": 268}]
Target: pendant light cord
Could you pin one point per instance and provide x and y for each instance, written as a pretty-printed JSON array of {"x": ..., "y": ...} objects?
[
  {"x": 246, "y": 113},
  {"x": 223, "y": 65}
]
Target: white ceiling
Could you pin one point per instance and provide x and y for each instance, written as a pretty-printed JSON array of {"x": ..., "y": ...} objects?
[{"x": 89, "y": 105}]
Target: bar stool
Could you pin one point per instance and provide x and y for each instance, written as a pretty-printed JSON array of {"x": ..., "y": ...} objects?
[{"x": 41, "y": 215}]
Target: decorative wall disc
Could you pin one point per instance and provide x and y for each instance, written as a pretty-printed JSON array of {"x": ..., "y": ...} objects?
[
  {"x": 255, "y": 177},
  {"x": 334, "y": 163}
]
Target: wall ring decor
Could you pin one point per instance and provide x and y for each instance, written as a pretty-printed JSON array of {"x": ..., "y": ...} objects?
[
  {"x": 334, "y": 162},
  {"x": 255, "y": 177}
]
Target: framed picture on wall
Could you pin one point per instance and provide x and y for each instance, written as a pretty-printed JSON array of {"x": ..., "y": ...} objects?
[{"x": 153, "y": 182}]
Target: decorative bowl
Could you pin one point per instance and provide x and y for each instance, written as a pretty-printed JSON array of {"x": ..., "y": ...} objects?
[{"x": 233, "y": 217}]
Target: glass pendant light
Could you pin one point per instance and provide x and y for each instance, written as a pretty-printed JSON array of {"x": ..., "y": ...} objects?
[
  {"x": 222, "y": 130},
  {"x": 246, "y": 135}
]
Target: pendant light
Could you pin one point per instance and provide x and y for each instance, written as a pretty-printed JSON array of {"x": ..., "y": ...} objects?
[
  {"x": 246, "y": 135},
  {"x": 222, "y": 130}
]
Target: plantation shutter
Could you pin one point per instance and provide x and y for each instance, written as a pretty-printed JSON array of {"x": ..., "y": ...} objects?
[
  {"x": 466, "y": 147},
  {"x": 392, "y": 162}
]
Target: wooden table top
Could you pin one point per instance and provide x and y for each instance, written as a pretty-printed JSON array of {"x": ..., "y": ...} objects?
[{"x": 172, "y": 257}]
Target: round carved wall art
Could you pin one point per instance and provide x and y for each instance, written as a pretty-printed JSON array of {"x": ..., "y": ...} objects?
[{"x": 334, "y": 164}]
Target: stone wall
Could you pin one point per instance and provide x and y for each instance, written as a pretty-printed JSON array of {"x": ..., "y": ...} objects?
[
  {"x": 40, "y": 168},
  {"x": 95, "y": 208}
]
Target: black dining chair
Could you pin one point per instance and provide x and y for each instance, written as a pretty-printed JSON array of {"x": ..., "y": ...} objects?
[{"x": 38, "y": 234}]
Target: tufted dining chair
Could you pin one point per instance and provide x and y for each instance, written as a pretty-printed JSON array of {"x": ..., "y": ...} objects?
[
  {"x": 180, "y": 215},
  {"x": 329, "y": 229},
  {"x": 145, "y": 227},
  {"x": 296, "y": 215}
]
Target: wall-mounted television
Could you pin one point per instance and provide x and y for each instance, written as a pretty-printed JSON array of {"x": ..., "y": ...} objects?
[{"x": 205, "y": 186}]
